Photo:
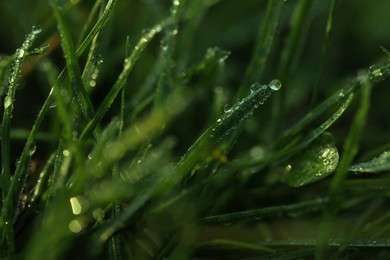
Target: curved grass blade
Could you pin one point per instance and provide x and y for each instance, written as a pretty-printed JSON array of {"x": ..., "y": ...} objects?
[
  {"x": 8, "y": 105},
  {"x": 315, "y": 163},
  {"x": 226, "y": 126},
  {"x": 350, "y": 148},
  {"x": 74, "y": 73},
  {"x": 294, "y": 146},
  {"x": 127, "y": 67},
  {"x": 340, "y": 96},
  {"x": 10, "y": 188},
  {"x": 379, "y": 164}
]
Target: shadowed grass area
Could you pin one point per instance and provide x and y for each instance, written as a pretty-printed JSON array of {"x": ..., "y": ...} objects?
[{"x": 194, "y": 129}]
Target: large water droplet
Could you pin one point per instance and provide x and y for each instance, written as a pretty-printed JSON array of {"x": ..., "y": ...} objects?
[
  {"x": 275, "y": 84},
  {"x": 19, "y": 53},
  {"x": 7, "y": 102}
]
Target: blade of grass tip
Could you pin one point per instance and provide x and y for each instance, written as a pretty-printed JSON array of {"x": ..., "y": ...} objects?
[
  {"x": 165, "y": 82},
  {"x": 317, "y": 131},
  {"x": 9, "y": 187},
  {"x": 74, "y": 73},
  {"x": 94, "y": 60},
  {"x": 376, "y": 74},
  {"x": 104, "y": 18},
  {"x": 89, "y": 20},
  {"x": 324, "y": 52},
  {"x": 339, "y": 96},
  {"x": 350, "y": 149},
  {"x": 264, "y": 42},
  {"x": 127, "y": 67}
]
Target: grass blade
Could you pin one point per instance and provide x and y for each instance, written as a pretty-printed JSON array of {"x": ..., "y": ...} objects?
[
  {"x": 265, "y": 39},
  {"x": 127, "y": 67},
  {"x": 9, "y": 188}
]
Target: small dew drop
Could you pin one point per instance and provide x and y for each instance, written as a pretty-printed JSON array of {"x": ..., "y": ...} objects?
[
  {"x": 33, "y": 149},
  {"x": 92, "y": 83},
  {"x": 36, "y": 29},
  {"x": 255, "y": 87},
  {"x": 228, "y": 108},
  {"x": 19, "y": 53},
  {"x": 375, "y": 73},
  {"x": 275, "y": 84},
  {"x": 7, "y": 102},
  {"x": 175, "y": 31},
  {"x": 66, "y": 153}
]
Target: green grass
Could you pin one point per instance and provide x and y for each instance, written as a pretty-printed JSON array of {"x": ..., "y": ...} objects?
[{"x": 194, "y": 129}]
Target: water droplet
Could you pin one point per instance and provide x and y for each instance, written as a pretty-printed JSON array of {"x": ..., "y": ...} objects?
[
  {"x": 228, "y": 108},
  {"x": 19, "y": 53},
  {"x": 255, "y": 87},
  {"x": 7, "y": 102},
  {"x": 33, "y": 149},
  {"x": 375, "y": 73},
  {"x": 275, "y": 84},
  {"x": 175, "y": 31},
  {"x": 36, "y": 29},
  {"x": 219, "y": 120},
  {"x": 92, "y": 83}
]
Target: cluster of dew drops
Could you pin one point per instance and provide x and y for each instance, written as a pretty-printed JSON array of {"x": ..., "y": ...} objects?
[{"x": 16, "y": 66}]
